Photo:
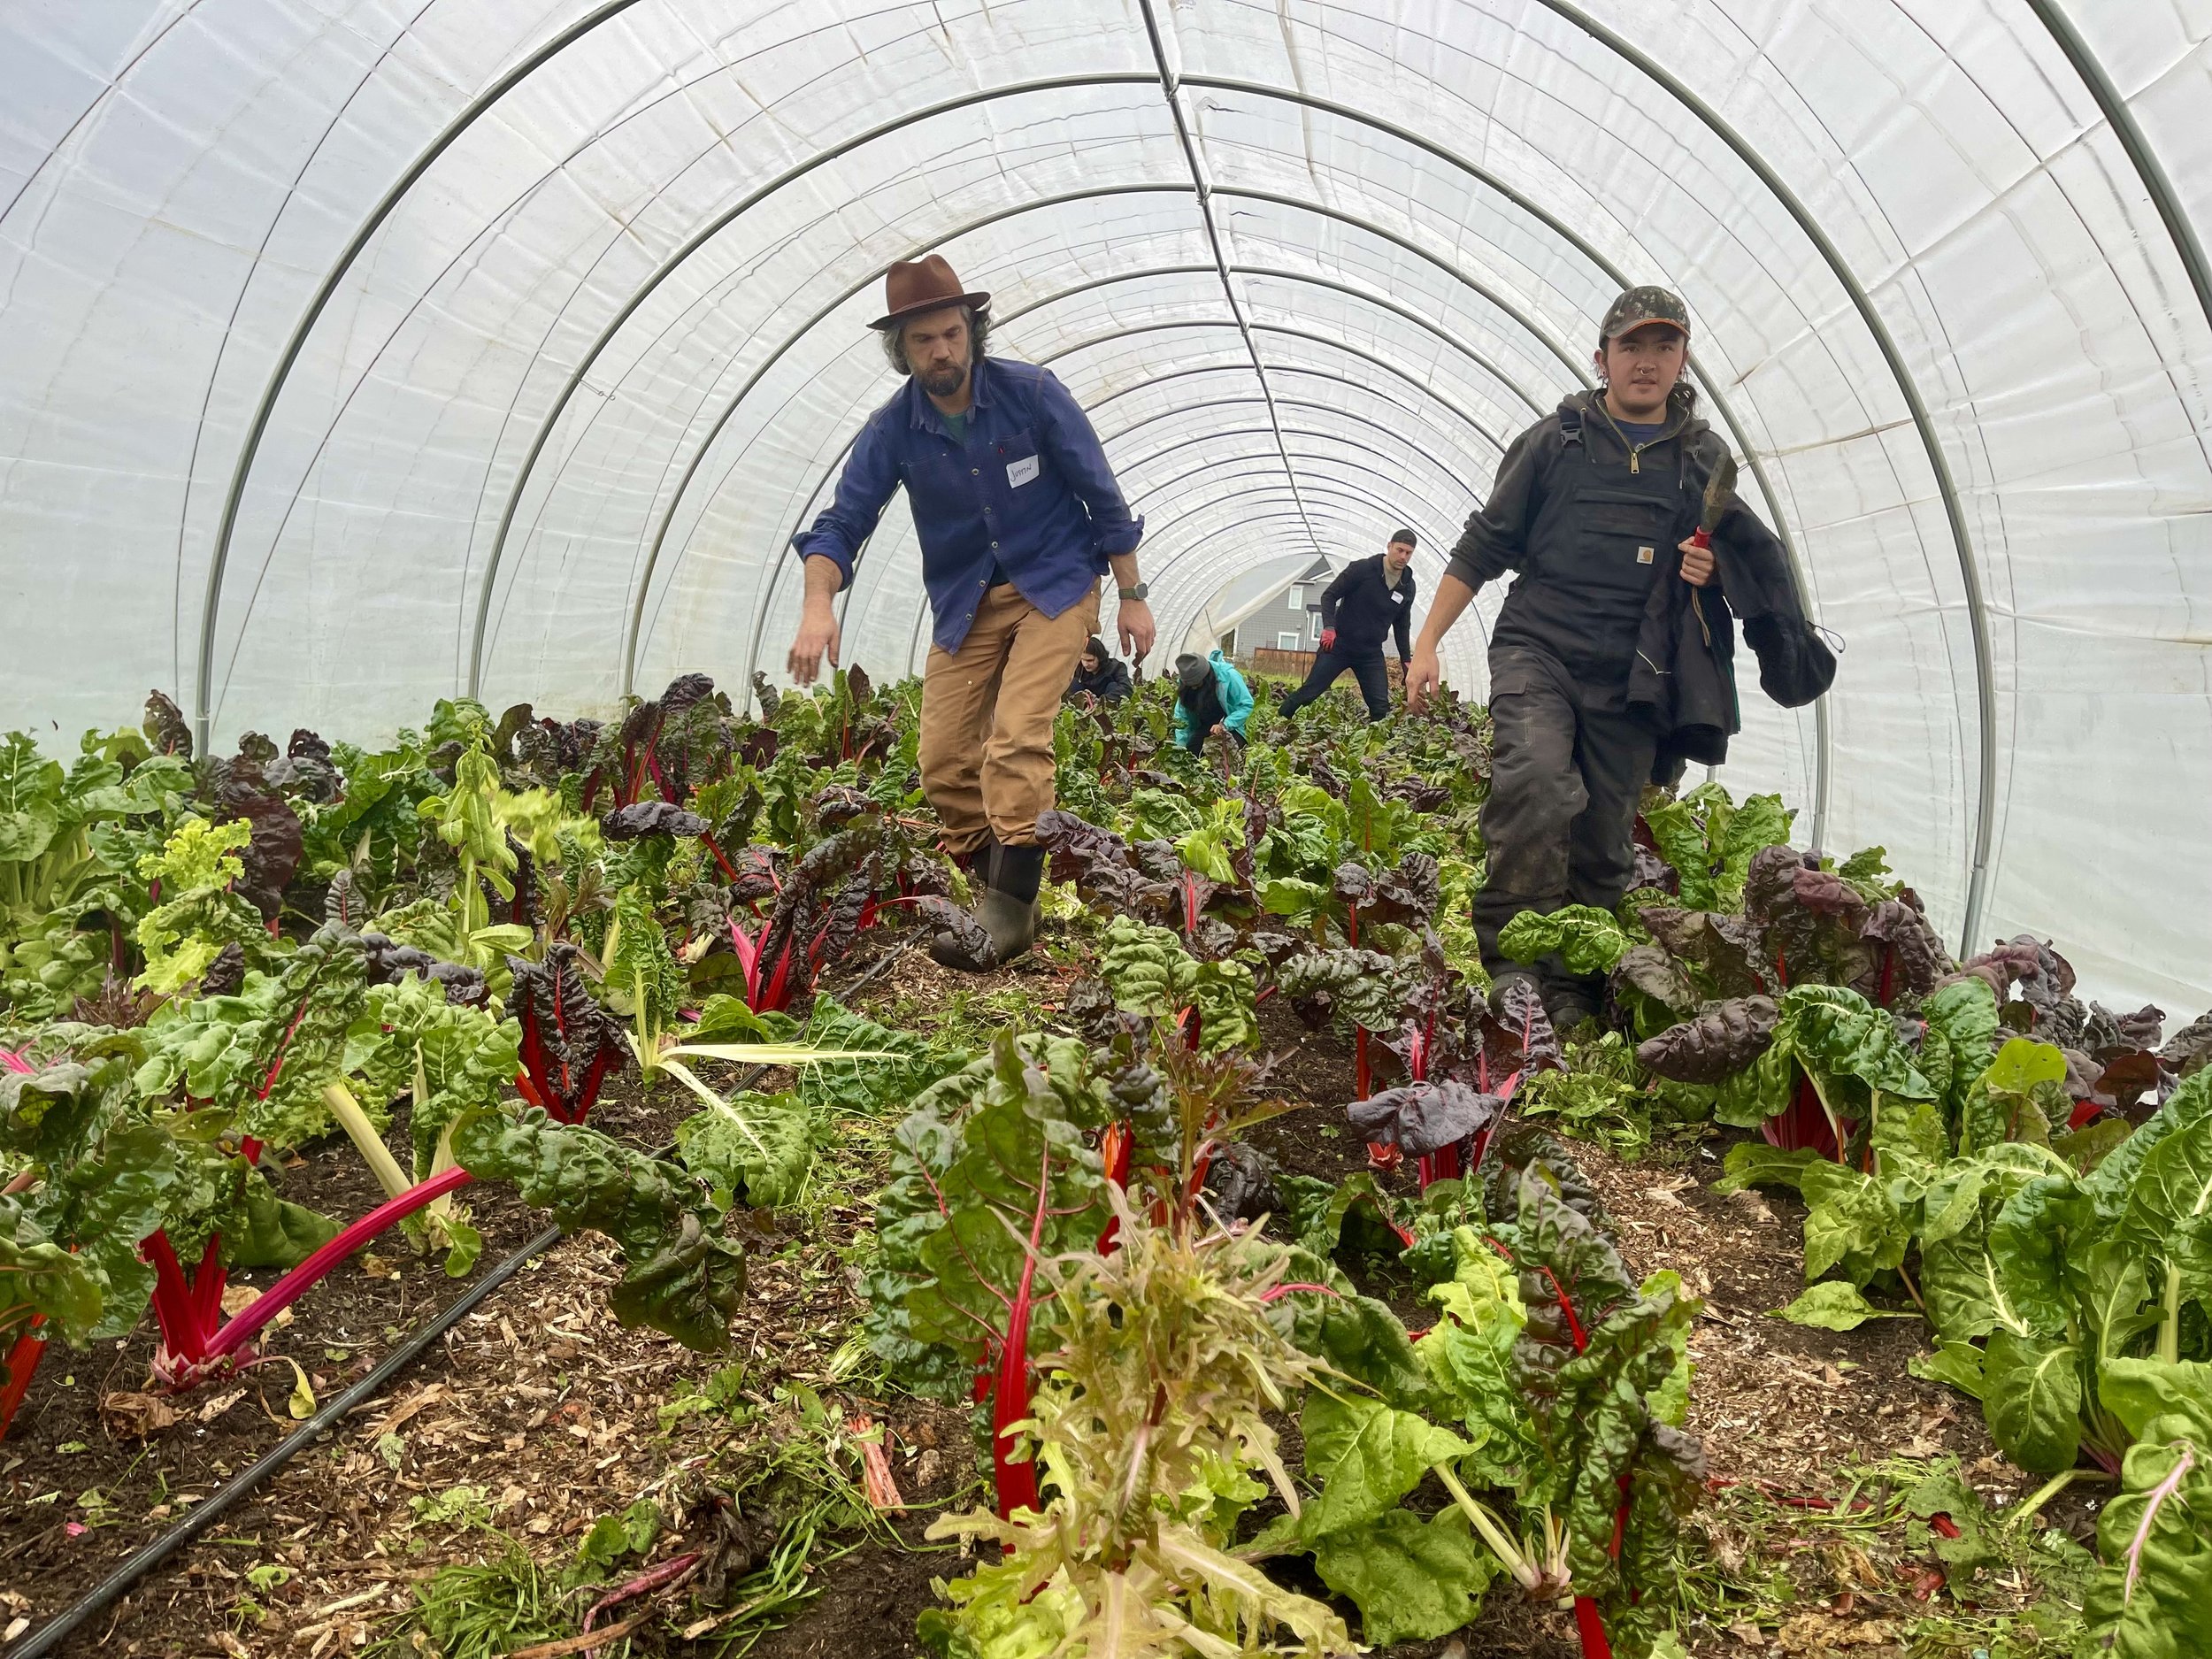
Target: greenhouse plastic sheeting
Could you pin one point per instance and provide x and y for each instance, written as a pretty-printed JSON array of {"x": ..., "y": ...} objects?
[{"x": 355, "y": 352}]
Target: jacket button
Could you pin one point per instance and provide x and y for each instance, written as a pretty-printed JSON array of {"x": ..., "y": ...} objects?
[
  {"x": 994, "y": 547},
  {"x": 975, "y": 472}
]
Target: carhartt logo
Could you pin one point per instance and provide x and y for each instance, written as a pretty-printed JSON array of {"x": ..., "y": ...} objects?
[{"x": 1643, "y": 555}]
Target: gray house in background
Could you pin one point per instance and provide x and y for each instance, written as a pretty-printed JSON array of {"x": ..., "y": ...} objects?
[{"x": 1276, "y": 606}]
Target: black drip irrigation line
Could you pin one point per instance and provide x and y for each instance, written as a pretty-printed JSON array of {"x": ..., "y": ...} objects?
[
  {"x": 204, "y": 1515},
  {"x": 68, "y": 1623}
]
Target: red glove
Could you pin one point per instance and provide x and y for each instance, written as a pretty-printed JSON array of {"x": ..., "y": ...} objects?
[{"x": 1328, "y": 638}]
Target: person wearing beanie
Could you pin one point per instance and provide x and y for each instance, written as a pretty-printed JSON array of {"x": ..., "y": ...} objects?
[
  {"x": 1098, "y": 675},
  {"x": 1018, "y": 517},
  {"x": 1371, "y": 598},
  {"x": 1212, "y": 700}
]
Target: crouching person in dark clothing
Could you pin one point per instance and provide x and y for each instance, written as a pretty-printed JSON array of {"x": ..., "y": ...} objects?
[
  {"x": 1370, "y": 599},
  {"x": 1611, "y": 659},
  {"x": 1103, "y": 677}
]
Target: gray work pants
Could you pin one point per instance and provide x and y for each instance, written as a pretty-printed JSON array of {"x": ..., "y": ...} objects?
[{"x": 1561, "y": 819}]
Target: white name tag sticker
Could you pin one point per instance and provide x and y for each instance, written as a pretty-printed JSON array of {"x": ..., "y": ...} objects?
[
  {"x": 1021, "y": 472},
  {"x": 1643, "y": 555}
]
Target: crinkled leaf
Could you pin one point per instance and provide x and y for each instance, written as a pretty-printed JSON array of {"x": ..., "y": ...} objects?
[
  {"x": 1424, "y": 1118},
  {"x": 753, "y": 1147},
  {"x": 1584, "y": 939},
  {"x": 1411, "y": 1580},
  {"x": 2152, "y": 1599},
  {"x": 2031, "y": 1395},
  {"x": 1723, "y": 1040},
  {"x": 1850, "y": 1224},
  {"x": 1833, "y": 1305},
  {"x": 1366, "y": 1455},
  {"x": 678, "y": 1275}
]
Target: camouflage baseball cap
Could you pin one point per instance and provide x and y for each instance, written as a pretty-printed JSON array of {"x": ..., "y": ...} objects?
[{"x": 1641, "y": 305}]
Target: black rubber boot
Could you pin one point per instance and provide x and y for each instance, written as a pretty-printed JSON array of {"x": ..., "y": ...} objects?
[
  {"x": 1006, "y": 913},
  {"x": 1572, "y": 999}
]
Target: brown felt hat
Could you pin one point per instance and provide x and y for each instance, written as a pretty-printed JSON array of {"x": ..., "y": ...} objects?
[{"x": 915, "y": 286}]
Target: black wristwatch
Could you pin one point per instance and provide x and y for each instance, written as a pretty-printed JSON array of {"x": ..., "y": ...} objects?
[{"x": 1143, "y": 590}]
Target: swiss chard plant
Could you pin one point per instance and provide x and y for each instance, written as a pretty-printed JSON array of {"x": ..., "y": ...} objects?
[{"x": 992, "y": 1174}]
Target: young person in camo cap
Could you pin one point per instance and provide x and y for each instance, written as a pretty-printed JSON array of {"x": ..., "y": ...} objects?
[
  {"x": 1370, "y": 600},
  {"x": 1018, "y": 515},
  {"x": 1610, "y": 662}
]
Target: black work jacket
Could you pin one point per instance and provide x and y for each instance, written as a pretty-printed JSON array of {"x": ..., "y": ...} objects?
[
  {"x": 1594, "y": 526},
  {"x": 1364, "y": 609},
  {"x": 1109, "y": 684}
]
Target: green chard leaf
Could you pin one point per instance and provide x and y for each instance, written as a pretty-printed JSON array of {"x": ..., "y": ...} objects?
[
  {"x": 679, "y": 1275},
  {"x": 2152, "y": 1598},
  {"x": 2031, "y": 1395},
  {"x": 1833, "y": 1305},
  {"x": 1411, "y": 1578},
  {"x": 1586, "y": 940}
]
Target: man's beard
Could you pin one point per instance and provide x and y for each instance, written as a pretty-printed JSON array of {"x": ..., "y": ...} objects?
[{"x": 942, "y": 382}]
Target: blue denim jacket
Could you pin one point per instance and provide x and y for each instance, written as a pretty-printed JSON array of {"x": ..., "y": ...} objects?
[{"x": 1030, "y": 490}]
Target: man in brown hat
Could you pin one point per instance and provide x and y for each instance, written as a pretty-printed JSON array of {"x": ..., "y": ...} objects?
[
  {"x": 1018, "y": 517},
  {"x": 1610, "y": 660}
]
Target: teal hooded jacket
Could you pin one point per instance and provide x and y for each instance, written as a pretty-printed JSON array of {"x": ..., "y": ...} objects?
[{"x": 1236, "y": 699}]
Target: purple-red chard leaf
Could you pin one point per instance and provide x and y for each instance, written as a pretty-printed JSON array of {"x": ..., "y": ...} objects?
[
  {"x": 272, "y": 855},
  {"x": 2190, "y": 1049},
  {"x": 1425, "y": 1118},
  {"x": 570, "y": 1042},
  {"x": 1914, "y": 959},
  {"x": 167, "y": 731},
  {"x": 974, "y": 946},
  {"x": 1648, "y": 972},
  {"x": 1724, "y": 950},
  {"x": 1715, "y": 1045},
  {"x": 1410, "y": 893},
  {"x": 1101, "y": 865},
  {"x": 650, "y": 817},
  {"x": 1517, "y": 1034}
]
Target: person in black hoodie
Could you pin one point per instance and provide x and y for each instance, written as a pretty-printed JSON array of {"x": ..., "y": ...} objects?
[
  {"x": 1104, "y": 677},
  {"x": 1610, "y": 661},
  {"x": 1370, "y": 599}
]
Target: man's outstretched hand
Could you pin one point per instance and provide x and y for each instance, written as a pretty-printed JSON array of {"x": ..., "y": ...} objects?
[
  {"x": 817, "y": 638},
  {"x": 1423, "y": 675}
]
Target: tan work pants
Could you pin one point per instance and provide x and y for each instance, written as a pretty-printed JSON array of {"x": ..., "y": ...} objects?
[{"x": 988, "y": 711}]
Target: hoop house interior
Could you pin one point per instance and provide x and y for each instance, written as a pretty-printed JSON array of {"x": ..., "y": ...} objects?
[{"x": 356, "y": 352}]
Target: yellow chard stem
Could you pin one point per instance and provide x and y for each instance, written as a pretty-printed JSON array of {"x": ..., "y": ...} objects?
[
  {"x": 2170, "y": 1326},
  {"x": 1493, "y": 1534},
  {"x": 363, "y": 1133}
]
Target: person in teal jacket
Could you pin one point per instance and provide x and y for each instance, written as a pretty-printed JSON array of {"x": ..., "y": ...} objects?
[{"x": 1211, "y": 697}]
